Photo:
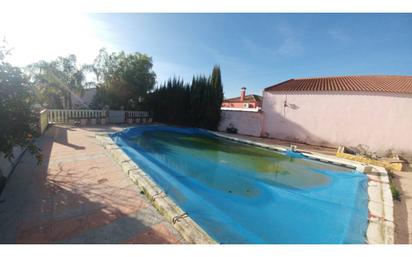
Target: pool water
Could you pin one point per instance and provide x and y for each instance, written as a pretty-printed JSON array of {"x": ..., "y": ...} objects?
[{"x": 240, "y": 193}]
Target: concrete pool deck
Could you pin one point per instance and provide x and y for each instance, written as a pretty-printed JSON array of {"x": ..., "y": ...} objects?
[
  {"x": 77, "y": 195},
  {"x": 403, "y": 208}
]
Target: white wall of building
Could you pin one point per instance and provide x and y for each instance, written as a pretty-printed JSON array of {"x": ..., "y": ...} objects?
[
  {"x": 246, "y": 122},
  {"x": 379, "y": 120}
]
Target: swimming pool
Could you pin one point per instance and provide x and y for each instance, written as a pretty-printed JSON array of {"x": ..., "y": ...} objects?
[{"x": 240, "y": 193}]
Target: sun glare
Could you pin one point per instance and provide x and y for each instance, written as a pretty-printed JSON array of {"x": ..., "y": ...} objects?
[{"x": 40, "y": 36}]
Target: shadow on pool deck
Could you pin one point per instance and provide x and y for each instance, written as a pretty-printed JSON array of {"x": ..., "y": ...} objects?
[
  {"x": 77, "y": 195},
  {"x": 61, "y": 138}
]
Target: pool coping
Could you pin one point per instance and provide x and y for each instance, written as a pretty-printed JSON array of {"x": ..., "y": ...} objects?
[
  {"x": 186, "y": 226},
  {"x": 381, "y": 228}
]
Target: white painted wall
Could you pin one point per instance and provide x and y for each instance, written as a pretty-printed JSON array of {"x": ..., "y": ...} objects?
[
  {"x": 246, "y": 122},
  {"x": 379, "y": 120}
]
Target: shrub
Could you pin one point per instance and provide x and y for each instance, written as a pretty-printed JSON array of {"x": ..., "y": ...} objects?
[
  {"x": 231, "y": 129},
  {"x": 196, "y": 104},
  {"x": 396, "y": 195},
  {"x": 19, "y": 121}
]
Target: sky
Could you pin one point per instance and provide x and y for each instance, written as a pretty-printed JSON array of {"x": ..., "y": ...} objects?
[{"x": 253, "y": 50}]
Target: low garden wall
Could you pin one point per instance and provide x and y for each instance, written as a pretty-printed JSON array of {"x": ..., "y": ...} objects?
[
  {"x": 246, "y": 122},
  {"x": 94, "y": 117}
]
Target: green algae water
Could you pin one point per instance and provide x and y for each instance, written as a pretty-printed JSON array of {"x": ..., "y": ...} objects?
[{"x": 240, "y": 193}]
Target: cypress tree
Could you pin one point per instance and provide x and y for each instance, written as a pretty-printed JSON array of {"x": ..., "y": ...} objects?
[
  {"x": 217, "y": 97},
  {"x": 196, "y": 104}
]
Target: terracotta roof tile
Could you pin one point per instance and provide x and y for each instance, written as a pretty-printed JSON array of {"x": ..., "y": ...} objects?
[
  {"x": 390, "y": 84},
  {"x": 248, "y": 99}
]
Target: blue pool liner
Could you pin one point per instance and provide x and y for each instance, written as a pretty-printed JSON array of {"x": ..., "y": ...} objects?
[{"x": 328, "y": 214}]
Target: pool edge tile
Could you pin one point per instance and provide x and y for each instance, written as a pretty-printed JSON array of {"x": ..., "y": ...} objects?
[{"x": 186, "y": 226}]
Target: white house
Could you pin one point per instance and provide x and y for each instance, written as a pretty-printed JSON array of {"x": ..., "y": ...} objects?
[{"x": 375, "y": 111}]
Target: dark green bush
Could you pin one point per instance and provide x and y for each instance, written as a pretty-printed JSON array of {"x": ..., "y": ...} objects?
[
  {"x": 396, "y": 195},
  {"x": 231, "y": 130},
  {"x": 196, "y": 104},
  {"x": 19, "y": 122}
]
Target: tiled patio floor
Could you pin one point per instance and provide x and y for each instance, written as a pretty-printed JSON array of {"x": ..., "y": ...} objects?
[{"x": 77, "y": 195}]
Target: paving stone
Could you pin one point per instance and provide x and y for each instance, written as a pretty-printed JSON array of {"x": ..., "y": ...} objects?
[{"x": 78, "y": 194}]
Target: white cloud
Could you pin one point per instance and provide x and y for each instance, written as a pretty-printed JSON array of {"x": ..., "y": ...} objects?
[
  {"x": 289, "y": 45},
  {"x": 339, "y": 35},
  {"x": 44, "y": 36},
  {"x": 235, "y": 63}
]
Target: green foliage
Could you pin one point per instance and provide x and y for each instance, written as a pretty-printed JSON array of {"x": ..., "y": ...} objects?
[
  {"x": 197, "y": 104},
  {"x": 217, "y": 97},
  {"x": 391, "y": 174},
  {"x": 171, "y": 101},
  {"x": 199, "y": 101},
  {"x": 18, "y": 124},
  {"x": 123, "y": 80},
  {"x": 396, "y": 195},
  {"x": 57, "y": 80}
]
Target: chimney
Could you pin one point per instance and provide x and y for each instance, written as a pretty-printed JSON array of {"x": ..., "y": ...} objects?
[{"x": 242, "y": 94}]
